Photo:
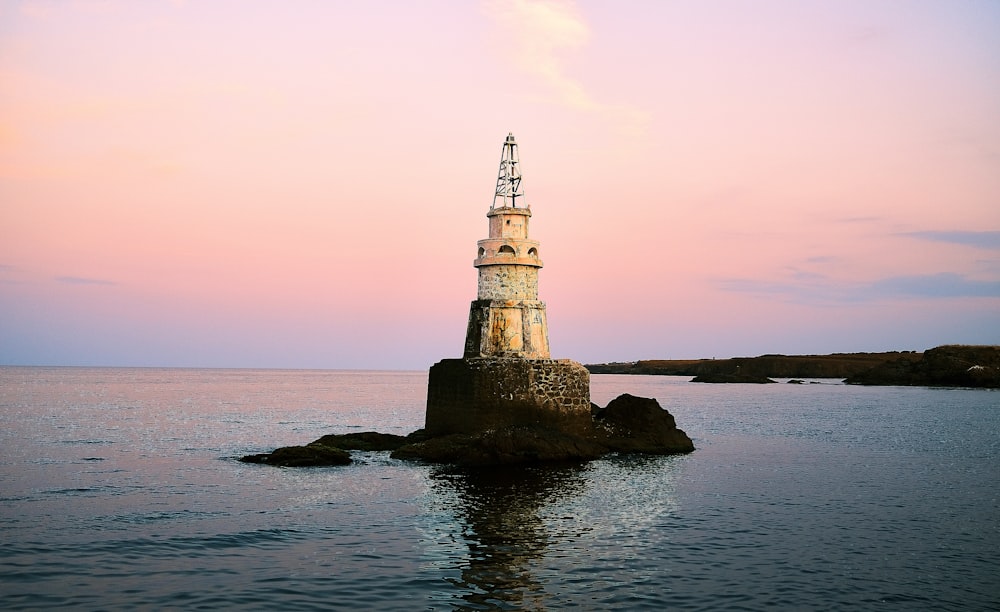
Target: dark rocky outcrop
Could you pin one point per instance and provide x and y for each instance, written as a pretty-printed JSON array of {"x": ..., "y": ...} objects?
[
  {"x": 629, "y": 424},
  {"x": 639, "y": 425},
  {"x": 948, "y": 366},
  {"x": 369, "y": 440},
  {"x": 313, "y": 454},
  {"x": 333, "y": 449}
]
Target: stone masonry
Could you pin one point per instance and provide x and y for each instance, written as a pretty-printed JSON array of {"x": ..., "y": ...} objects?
[{"x": 470, "y": 395}]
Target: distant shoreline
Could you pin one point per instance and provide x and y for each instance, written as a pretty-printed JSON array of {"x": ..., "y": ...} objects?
[
  {"x": 949, "y": 365},
  {"x": 834, "y": 365}
]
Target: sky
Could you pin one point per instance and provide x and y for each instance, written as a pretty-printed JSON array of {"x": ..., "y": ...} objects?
[{"x": 301, "y": 184}]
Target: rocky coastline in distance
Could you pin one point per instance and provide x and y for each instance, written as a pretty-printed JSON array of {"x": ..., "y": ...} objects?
[{"x": 947, "y": 366}]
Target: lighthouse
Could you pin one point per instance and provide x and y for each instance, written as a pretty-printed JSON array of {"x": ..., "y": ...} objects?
[
  {"x": 506, "y": 378},
  {"x": 507, "y": 319},
  {"x": 506, "y": 400}
]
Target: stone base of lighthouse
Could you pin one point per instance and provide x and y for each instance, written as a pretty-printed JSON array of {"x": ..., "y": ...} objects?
[{"x": 481, "y": 393}]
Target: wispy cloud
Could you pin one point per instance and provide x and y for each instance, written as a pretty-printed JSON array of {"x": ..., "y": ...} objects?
[
  {"x": 824, "y": 291},
  {"x": 982, "y": 240},
  {"x": 944, "y": 285},
  {"x": 542, "y": 33},
  {"x": 80, "y": 280},
  {"x": 816, "y": 293},
  {"x": 822, "y": 259}
]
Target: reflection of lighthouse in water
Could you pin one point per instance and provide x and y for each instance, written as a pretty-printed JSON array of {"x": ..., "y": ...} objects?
[
  {"x": 507, "y": 319},
  {"x": 503, "y": 510}
]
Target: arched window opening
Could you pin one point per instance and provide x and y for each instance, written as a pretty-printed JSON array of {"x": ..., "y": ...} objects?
[
  {"x": 507, "y": 249},
  {"x": 533, "y": 252},
  {"x": 482, "y": 252}
]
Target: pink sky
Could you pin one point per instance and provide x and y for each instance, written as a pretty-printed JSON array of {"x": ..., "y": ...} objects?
[{"x": 302, "y": 184}]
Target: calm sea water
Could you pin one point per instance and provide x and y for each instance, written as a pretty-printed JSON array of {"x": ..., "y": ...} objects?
[{"x": 119, "y": 489}]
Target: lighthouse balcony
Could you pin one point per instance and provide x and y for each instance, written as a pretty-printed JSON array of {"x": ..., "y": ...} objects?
[{"x": 497, "y": 252}]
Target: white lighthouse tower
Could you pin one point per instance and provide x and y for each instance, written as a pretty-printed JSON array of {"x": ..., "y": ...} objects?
[{"x": 507, "y": 319}]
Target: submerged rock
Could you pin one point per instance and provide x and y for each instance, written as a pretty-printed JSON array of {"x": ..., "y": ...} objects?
[{"x": 312, "y": 454}]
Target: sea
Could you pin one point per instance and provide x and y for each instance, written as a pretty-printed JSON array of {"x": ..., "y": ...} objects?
[{"x": 120, "y": 489}]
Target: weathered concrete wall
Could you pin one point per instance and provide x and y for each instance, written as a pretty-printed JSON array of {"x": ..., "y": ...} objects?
[
  {"x": 508, "y": 283},
  {"x": 507, "y": 328},
  {"x": 471, "y": 395},
  {"x": 508, "y": 222}
]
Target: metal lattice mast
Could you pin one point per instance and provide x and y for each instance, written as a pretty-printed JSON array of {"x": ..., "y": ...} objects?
[{"x": 509, "y": 177}]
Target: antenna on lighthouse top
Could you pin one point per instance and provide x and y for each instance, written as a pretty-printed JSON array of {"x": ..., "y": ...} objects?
[{"x": 509, "y": 177}]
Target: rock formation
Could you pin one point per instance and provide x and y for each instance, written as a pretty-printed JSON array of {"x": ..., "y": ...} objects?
[
  {"x": 639, "y": 425},
  {"x": 628, "y": 424}
]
